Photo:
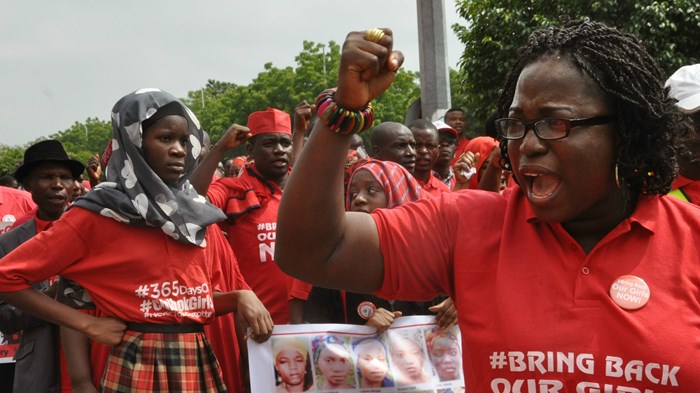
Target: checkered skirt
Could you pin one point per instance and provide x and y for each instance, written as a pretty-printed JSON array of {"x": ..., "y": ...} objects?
[{"x": 163, "y": 362}]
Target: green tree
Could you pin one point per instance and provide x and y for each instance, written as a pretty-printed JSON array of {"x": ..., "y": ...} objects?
[
  {"x": 495, "y": 29},
  {"x": 82, "y": 140},
  {"x": 220, "y": 104},
  {"x": 10, "y": 156}
]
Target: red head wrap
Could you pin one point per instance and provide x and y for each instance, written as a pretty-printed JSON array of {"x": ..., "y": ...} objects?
[
  {"x": 482, "y": 145},
  {"x": 269, "y": 121},
  {"x": 399, "y": 186}
]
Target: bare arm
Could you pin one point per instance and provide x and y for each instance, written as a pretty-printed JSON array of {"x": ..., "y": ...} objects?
[
  {"x": 465, "y": 163},
  {"x": 76, "y": 347},
  {"x": 491, "y": 181},
  {"x": 204, "y": 171},
  {"x": 108, "y": 331},
  {"x": 302, "y": 117},
  {"x": 329, "y": 249},
  {"x": 249, "y": 312},
  {"x": 296, "y": 311},
  {"x": 94, "y": 170}
]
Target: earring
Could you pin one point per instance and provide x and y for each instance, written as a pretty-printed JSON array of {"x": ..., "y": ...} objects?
[{"x": 617, "y": 176}]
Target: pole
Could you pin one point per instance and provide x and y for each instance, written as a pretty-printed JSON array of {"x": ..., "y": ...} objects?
[
  {"x": 434, "y": 76},
  {"x": 324, "y": 64}
]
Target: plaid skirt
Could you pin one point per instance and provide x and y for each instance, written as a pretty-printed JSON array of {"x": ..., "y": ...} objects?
[{"x": 163, "y": 362}]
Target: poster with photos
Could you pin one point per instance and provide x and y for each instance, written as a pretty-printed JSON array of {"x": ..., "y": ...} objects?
[{"x": 414, "y": 355}]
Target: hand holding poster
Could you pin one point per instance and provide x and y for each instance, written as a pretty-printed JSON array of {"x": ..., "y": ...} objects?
[{"x": 414, "y": 355}]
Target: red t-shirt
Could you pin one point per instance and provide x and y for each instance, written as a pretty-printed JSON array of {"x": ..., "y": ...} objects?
[
  {"x": 252, "y": 205},
  {"x": 221, "y": 332},
  {"x": 13, "y": 204},
  {"x": 434, "y": 186},
  {"x": 136, "y": 274},
  {"x": 534, "y": 310}
]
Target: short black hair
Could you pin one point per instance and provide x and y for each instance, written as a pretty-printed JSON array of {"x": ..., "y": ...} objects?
[
  {"x": 9, "y": 181},
  {"x": 454, "y": 109}
]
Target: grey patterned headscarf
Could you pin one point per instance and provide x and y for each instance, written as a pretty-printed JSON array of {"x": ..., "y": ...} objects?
[{"x": 133, "y": 193}]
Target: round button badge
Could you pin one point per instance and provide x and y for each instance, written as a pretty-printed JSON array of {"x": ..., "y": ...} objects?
[
  {"x": 366, "y": 309},
  {"x": 630, "y": 292}
]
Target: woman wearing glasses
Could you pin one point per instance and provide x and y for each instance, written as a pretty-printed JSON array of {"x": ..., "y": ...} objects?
[{"x": 583, "y": 278}]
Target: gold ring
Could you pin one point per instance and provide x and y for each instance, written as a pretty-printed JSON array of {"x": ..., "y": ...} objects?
[{"x": 374, "y": 35}]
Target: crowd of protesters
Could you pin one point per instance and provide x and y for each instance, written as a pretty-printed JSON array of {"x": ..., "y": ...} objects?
[{"x": 152, "y": 271}]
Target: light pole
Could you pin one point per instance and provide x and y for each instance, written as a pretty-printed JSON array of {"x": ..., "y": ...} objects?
[{"x": 324, "y": 63}]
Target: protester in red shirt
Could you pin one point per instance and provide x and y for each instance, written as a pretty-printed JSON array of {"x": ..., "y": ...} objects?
[
  {"x": 426, "y": 136},
  {"x": 481, "y": 154},
  {"x": 48, "y": 174},
  {"x": 446, "y": 153},
  {"x": 250, "y": 202},
  {"x": 139, "y": 243},
  {"x": 580, "y": 279},
  {"x": 233, "y": 166},
  {"x": 457, "y": 119},
  {"x": 394, "y": 142}
]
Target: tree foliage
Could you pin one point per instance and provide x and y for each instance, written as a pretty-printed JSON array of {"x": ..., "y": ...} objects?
[
  {"x": 10, "y": 156},
  {"x": 220, "y": 104},
  {"x": 495, "y": 29},
  {"x": 81, "y": 141}
]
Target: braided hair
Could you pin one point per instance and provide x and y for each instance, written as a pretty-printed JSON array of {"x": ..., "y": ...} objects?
[{"x": 647, "y": 121}]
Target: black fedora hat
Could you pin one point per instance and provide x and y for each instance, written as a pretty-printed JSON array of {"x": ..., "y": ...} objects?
[{"x": 47, "y": 151}]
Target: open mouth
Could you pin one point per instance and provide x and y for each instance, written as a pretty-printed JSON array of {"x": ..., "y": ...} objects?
[{"x": 541, "y": 186}]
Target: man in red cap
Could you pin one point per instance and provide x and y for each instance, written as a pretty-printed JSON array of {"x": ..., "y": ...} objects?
[
  {"x": 447, "y": 139},
  {"x": 250, "y": 201},
  {"x": 427, "y": 148}
]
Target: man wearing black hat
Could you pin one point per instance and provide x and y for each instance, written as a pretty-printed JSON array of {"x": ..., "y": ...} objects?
[{"x": 48, "y": 174}]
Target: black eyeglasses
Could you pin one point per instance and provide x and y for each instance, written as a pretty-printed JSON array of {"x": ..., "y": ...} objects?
[{"x": 549, "y": 128}]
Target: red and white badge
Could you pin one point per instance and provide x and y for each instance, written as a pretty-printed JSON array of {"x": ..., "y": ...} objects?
[
  {"x": 366, "y": 309},
  {"x": 630, "y": 292}
]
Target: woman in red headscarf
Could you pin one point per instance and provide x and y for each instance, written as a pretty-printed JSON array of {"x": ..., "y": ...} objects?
[{"x": 482, "y": 155}]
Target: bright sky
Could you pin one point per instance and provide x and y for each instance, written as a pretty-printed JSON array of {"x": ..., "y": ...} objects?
[{"x": 64, "y": 61}]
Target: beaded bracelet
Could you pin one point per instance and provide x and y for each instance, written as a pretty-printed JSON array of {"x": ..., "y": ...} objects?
[{"x": 340, "y": 120}]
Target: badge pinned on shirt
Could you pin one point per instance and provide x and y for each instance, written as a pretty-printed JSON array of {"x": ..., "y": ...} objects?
[
  {"x": 630, "y": 292},
  {"x": 366, "y": 309}
]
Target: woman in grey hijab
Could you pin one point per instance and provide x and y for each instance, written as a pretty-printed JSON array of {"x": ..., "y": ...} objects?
[{"x": 141, "y": 246}]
